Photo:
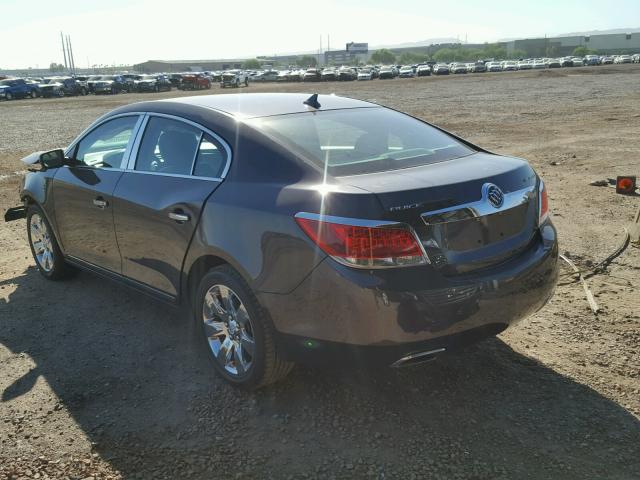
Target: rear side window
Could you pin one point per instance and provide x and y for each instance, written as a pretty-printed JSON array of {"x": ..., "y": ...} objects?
[
  {"x": 168, "y": 146},
  {"x": 211, "y": 159},
  {"x": 361, "y": 140}
]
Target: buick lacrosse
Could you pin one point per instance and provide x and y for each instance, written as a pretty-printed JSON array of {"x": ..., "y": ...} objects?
[{"x": 297, "y": 228}]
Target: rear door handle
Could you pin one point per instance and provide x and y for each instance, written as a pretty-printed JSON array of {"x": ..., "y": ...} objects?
[
  {"x": 179, "y": 216},
  {"x": 100, "y": 202}
]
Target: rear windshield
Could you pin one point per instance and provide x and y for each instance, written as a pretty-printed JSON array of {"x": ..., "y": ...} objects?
[{"x": 361, "y": 140}]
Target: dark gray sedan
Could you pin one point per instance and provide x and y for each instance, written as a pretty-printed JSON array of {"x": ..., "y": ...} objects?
[{"x": 320, "y": 229}]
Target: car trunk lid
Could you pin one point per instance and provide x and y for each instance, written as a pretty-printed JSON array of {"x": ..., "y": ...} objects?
[{"x": 469, "y": 213}]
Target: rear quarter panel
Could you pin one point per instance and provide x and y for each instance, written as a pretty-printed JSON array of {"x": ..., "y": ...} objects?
[{"x": 248, "y": 223}]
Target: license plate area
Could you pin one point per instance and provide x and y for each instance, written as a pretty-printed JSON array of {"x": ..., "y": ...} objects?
[{"x": 478, "y": 232}]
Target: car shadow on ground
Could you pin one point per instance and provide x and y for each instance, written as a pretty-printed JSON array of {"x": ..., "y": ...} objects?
[{"x": 124, "y": 368}]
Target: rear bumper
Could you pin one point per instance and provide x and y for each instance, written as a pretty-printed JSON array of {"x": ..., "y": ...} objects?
[{"x": 393, "y": 312}]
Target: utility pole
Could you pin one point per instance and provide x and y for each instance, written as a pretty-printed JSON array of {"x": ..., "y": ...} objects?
[
  {"x": 66, "y": 43},
  {"x": 73, "y": 59},
  {"x": 70, "y": 55},
  {"x": 64, "y": 51}
]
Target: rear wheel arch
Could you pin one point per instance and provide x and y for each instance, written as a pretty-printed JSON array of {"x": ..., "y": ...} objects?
[
  {"x": 201, "y": 266},
  {"x": 199, "y": 269}
]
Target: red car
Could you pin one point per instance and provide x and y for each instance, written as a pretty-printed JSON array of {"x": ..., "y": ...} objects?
[{"x": 195, "y": 82}]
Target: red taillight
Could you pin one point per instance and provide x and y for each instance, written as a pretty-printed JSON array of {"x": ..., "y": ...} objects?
[
  {"x": 544, "y": 204},
  {"x": 364, "y": 246}
]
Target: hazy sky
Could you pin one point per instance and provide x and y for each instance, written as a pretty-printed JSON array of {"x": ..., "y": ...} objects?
[{"x": 131, "y": 31}]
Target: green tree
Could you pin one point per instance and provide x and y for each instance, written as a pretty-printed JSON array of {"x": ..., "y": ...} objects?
[
  {"x": 383, "y": 57},
  {"x": 443, "y": 55},
  {"x": 495, "y": 50},
  {"x": 409, "y": 58},
  {"x": 582, "y": 51},
  {"x": 251, "y": 64},
  {"x": 458, "y": 53},
  {"x": 56, "y": 67},
  {"x": 307, "y": 61}
]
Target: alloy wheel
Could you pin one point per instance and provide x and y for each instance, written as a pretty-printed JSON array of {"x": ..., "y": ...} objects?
[
  {"x": 229, "y": 331},
  {"x": 41, "y": 242}
]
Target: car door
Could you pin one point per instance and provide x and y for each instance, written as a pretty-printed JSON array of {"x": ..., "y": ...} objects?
[
  {"x": 82, "y": 193},
  {"x": 175, "y": 166}
]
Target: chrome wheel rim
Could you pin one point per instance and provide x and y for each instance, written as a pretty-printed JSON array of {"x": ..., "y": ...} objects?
[
  {"x": 229, "y": 330},
  {"x": 41, "y": 242}
]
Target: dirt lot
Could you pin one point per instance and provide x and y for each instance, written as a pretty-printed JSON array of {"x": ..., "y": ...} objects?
[{"x": 96, "y": 381}]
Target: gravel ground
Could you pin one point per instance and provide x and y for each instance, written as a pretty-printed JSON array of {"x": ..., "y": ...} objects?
[{"x": 98, "y": 382}]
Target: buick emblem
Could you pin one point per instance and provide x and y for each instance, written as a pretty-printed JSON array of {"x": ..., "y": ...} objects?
[{"x": 493, "y": 194}]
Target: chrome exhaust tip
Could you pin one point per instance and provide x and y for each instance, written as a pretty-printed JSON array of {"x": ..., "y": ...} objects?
[{"x": 417, "y": 358}]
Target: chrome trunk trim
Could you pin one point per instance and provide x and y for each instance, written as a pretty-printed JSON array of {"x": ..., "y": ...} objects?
[{"x": 479, "y": 208}]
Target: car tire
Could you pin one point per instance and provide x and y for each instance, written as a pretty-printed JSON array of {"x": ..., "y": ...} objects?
[
  {"x": 33, "y": 94},
  {"x": 156, "y": 89},
  {"x": 44, "y": 247},
  {"x": 9, "y": 96},
  {"x": 221, "y": 329}
]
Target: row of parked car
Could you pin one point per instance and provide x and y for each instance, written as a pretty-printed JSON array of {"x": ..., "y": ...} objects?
[
  {"x": 60, "y": 86},
  {"x": 371, "y": 72}
]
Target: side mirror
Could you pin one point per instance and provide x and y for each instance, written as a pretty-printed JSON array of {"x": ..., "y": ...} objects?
[{"x": 52, "y": 159}]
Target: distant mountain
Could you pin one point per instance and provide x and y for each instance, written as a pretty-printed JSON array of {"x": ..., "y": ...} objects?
[
  {"x": 421, "y": 43},
  {"x": 580, "y": 34}
]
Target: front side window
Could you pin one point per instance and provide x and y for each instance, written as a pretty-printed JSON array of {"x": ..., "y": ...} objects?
[
  {"x": 168, "y": 146},
  {"x": 105, "y": 146},
  {"x": 361, "y": 140}
]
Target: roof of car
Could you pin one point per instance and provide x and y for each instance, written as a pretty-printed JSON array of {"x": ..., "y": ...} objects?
[{"x": 248, "y": 105}]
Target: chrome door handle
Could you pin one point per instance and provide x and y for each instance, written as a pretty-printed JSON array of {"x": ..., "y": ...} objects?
[
  {"x": 179, "y": 217},
  {"x": 100, "y": 202}
]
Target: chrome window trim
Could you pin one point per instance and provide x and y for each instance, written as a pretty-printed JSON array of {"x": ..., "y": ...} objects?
[
  {"x": 102, "y": 120},
  {"x": 89, "y": 167},
  {"x": 196, "y": 153},
  {"x": 136, "y": 147},
  {"x": 482, "y": 207},
  {"x": 177, "y": 175},
  {"x": 358, "y": 222},
  {"x": 136, "y": 144}
]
